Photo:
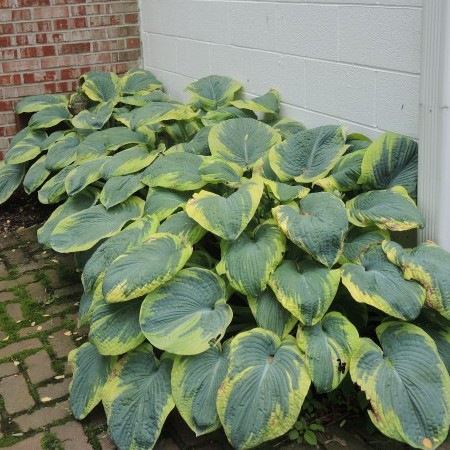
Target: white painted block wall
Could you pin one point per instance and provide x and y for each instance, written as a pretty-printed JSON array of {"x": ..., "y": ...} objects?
[{"x": 353, "y": 62}]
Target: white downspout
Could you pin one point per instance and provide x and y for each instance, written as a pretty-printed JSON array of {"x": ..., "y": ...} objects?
[{"x": 434, "y": 125}]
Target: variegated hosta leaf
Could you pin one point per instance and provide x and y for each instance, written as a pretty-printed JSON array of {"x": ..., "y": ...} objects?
[
  {"x": 213, "y": 91},
  {"x": 216, "y": 170},
  {"x": 36, "y": 175},
  {"x": 264, "y": 389},
  {"x": 286, "y": 127},
  {"x": 319, "y": 228},
  {"x": 359, "y": 240},
  {"x": 109, "y": 250},
  {"x": 226, "y": 113},
  {"x": 270, "y": 314},
  {"x": 128, "y": 161},
  {"x": 188, "y": 314},
  {"x": 90, "y": 374},
  {"x": 198, "y": 145},
  {"x": 62, "y": 152},
  {"x": 196, "y": 380},
  {"x": 439, "y": 329},
  {"x": 390, "y": 161},
  {"x": 182, "y": 226},
  {"x": 25, "y": 146},
  {"x": 138, "y": 82},
  {"x": 379, "y": 283},
  {"x": 406, "y": 383},
  {"x": 94, "y": 118},
  {"x": 11, "y": 175},
  {"x": 249, "y": 261},
  {"x": 118, "y": 189},
  {"x": 226, "y": 217},
  {"x": 242, "y": 141},
  {"x": 357, "y": 141},
  {"x": 35, "y": 103},
  {"x": 138, "y": 399},
  {"x": 102, "y": 142},
  {"x": 101, "y": 86},
  {"x": 84, "y": 229},
  {"x": 308, "y": 155},
  {"x": 390, "y": 209},
  {"x": 142, "y": 269},
  {"x": 163, "y": 202},
  {"x": 345, "y": 174},
  {"x": 285, "y": 192},
  {"x": 54, "y": 190},
  {"x": 84, "y": 175},
  {"x": 305, "y": 288},
  {"x": 156, "y": 112},
  {"x": 268, "y": 103},
  {"x": 179, "y": 171},
  {"x": 141, "y": 100},
  {"x": 429, "y": 265},
  {"x": 77, "y": 203},
  {"x": 328, "y": 346},
  {"x": 85, "y": 309},
  {"x": 114, "y": 328},
  {"x": 49, "y": 117}
]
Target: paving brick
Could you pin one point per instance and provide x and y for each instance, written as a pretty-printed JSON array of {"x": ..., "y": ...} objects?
[
  {"x": 42, "y": 417},
  {"x": 56, "y": 280},
  {"x": 30, "y": 266},
  {"x": 32, "y": 443},
  {"x": 73, "y": 290},
  {"x": 14, "y": 391},
  {"x": 52, "y": 323},
  {"x": 39, "y": 367},
  {"x": 8, "y": 369},
  {"x": 7, "y": 241},
  {"x": 3, "y": 270},
  {"x": 62, "y": 344},
  {"x": 106, "y": 442},
  {"x": 58, "y": 308},
  {"x": 72, "y": 436},
  {"x": 15, "y": 257},
  {"x": 56, "y": 390},
  {"x": 37, "y": 292},
  {"x": 10, "y": 284},
  {"x": 18, "y": 347},
  {"x": 6, "y": 296},
  {"x": 28, "y": 234},
  {"x": 14, "y": 311}
]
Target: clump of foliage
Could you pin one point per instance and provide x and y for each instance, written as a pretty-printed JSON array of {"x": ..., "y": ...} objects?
[{"x": 232, "y": 258}]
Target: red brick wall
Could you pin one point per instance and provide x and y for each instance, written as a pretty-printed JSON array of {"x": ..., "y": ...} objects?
[{"x": 46, "y": 45}]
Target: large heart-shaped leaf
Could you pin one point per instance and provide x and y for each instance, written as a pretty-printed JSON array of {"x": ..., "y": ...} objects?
[
  {"x": 242, "y": 141},
  {"x": 138, "y": 82},
  {"x": 285, "y": 192},
  {"x": 328, "y": 346},
  {"x": 319, "y": 227},
  {"x": 93, "y": 118},
  {"x": 62, "y": 152},
  {"x": 101, "y": 86},
  {"x": 226, "y": 113},
  {"x": 308, "y": 155},
  {"x": 286, "y": 127},
  {"x": 11, "y": 175},
  {"x": 163, "y": 202},
  {"x": 226, "y": 217},
  {"x": 114, "y": 328},
  {"x": 390, "y": 161},
  {"x": 198, "y": 145},
  {"x": 138, "y": 399},
  {"x": 390, "y": 209},
  {"x": 84, "y": 175},
  {"x": 128, "y": 161},
  {"x": 179, "y": 171},
  {"x": 49, "y": 117},
  {"x": 213, "y": 91},
  {"x": 183, "y": 226},
  {"x": 345, "y": 174},
  {"x": 110, "y": 249},
  {"x": 90, "y": 374},
  {"x": 77, "y": 203},
  {"x": 429, "y": 265},
  {"x": 215, "y": 170},
  {"x": 25, "y": 146},
  {"x": 305, "y": 288},
  {"x": 36, "y": 175},
  {"x": 156, "y": 112},
  {"x": 406, "y": 383},
  {"x": 264, "y": 389},
  {"x": 118, "y": 189},
  {"x": 379, "y": 283},
  {"x": 196, "y": 381},
  {"x": 268, "y": 103},
  {"x": 270, "y": 314},
  {"x": 144, "y": 268},
  {"x": 54, "y": 190},
  {"x": 35, "y": 103},
  {"x": 249, "y": 261},
  {"x": 188, "y": 314},
  {"x": 84, "y": 229}
]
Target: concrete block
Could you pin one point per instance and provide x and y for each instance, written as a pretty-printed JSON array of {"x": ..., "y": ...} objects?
[
  {"x": 192, "y": 58},
  {"x": 161, "y": 51},
  {"x": 209, "y": 21}
]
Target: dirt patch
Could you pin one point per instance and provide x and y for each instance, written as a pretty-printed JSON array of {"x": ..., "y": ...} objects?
[{"x": 22, "y": 210}]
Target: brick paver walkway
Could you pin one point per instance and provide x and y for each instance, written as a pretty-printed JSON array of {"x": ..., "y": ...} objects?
[{"x": 39, "y": 294}]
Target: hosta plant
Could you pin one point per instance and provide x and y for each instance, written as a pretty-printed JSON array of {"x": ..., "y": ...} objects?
[{"x": 233, "y": 260}]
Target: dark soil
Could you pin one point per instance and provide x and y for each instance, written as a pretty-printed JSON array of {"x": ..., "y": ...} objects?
[{"x": 22, "y": 210}]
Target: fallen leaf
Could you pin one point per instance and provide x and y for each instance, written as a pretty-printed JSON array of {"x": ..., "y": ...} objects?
[
  {"x": 59, "y": 377},
  {"x": 45, "y": 399},
  {"x": 5, "y": 338},
  {"x": 68, "y": 333},
  {"x": 16, "y": 363},
  {"x": 39, "y": 328},
  {"x": 33, "y": 324}
]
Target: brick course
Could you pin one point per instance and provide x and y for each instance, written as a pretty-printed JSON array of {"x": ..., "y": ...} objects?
[{"x": 46, "y": 45}]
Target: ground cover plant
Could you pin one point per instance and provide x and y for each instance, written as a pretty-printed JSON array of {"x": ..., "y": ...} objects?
[{"x": 233, "y": 260}]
